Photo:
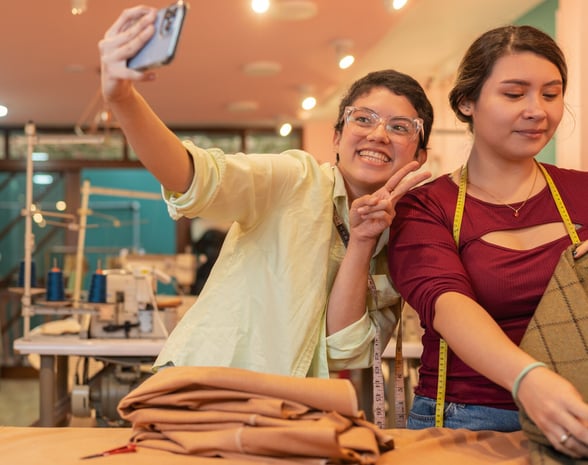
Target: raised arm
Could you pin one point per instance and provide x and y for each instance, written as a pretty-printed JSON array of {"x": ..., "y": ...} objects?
[{"x": 160, "y": 151}]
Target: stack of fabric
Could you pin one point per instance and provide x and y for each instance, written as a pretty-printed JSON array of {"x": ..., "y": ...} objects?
[{"x": 240, "y": 414}]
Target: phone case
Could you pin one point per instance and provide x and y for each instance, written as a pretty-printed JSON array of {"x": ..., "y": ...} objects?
[{"x": 161, "y": 48}]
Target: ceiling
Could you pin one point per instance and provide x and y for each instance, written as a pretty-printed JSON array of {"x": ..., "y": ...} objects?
[{"x": 49, "y": 58}]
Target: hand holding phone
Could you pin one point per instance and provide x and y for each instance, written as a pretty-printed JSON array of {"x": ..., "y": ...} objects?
[{"x": 161, "y": 48}]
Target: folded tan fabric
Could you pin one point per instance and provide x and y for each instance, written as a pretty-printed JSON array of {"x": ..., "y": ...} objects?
[
  {"x": 231, "y": 412},
  {"x": 558, "y": 336}
]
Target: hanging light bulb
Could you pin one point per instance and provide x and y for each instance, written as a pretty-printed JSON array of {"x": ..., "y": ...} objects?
[
  {"x": 308, "y": 103},
  {"x": 346, "y": 61},
  {"x": 285, "y": 129},
  {"x": 344, "y": 58}
]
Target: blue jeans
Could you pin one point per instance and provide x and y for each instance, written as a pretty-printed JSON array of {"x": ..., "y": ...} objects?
[{"x": 472, "y": 417}]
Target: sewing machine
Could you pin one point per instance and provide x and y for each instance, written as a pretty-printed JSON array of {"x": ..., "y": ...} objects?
[{"x": 130, "y": 310}]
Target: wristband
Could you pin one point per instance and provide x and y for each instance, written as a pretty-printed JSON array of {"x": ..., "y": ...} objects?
[{"x": 524, "y": 372}]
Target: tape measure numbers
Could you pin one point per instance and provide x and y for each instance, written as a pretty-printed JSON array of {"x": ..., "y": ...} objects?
[{"x": 379, "y": 401}]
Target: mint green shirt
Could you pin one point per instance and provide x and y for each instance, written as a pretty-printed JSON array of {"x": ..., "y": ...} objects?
[{"x": 263, "y": 307}]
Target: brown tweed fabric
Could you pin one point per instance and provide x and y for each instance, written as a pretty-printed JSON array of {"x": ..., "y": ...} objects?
[{"x": 558, "y": 336}]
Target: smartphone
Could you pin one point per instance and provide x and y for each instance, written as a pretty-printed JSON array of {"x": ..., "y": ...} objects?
[{"x": 161, "y": 48}]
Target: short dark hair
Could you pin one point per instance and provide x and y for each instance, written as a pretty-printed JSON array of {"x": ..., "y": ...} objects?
[
  {"x": 398, "y": 83},
  {"x": 478, "y": 61}
]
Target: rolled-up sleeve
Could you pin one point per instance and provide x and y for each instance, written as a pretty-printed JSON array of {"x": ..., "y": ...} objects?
[
  {"x": 209, "y": 169},
  {"x": 346, "y": 349}
]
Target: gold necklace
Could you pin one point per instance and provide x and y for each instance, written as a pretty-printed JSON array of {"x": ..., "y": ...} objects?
[{"x": 515, "y": 210}]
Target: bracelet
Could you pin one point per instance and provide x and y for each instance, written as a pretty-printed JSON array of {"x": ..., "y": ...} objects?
[{"x": 524, "y": 372}]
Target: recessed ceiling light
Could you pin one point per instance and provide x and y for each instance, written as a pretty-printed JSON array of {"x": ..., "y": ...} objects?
[
  {"x": 293, "y": 10},
  {"x": 285, "y": 129},
  {"x": 262, "y": 68},
  {"x": 395, "y": 4},
  {"x": 78, "y": 7},
  {"x": 3, "y": 111},
  {"x": 260, "y": 6},
  {"x": 308, "y": 103}
]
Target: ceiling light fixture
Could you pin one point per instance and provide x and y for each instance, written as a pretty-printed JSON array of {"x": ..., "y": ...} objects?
[
  {"x": 395, "y": 4},
  {"x": 285, "y": 129},
  {"x": 262, "y": 68},
  {"x": 308, "y": 101},
  {"x": 78, "y": 7},
  {"x": 260, "y": 6},
  {"x": 294, "y": 10},
  {"x": 342, "y": 50},
  {"x": 283, "y": 125},
  {"x": 3, "y": 111}
]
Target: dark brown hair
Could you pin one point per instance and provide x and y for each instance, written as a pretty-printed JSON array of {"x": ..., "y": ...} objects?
[
  {"x": 398, "y": 83},
  {"x": 479, "y": 59}
]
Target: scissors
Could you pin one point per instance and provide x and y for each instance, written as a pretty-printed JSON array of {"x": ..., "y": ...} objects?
[{"x": 119, "y": 450}]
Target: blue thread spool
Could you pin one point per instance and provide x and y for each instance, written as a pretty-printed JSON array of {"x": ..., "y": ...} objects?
[
  {"x": 97, "y": 292},
  {"x": 55, "y": 285},
  {"x": 21, "y": 274}
]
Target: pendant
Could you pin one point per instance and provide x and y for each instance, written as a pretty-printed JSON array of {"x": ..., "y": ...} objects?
[{"x": 516, "y": 214}]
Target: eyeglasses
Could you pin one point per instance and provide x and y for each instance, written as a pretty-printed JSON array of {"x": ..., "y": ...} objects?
[{"x": 362, "y": 121}]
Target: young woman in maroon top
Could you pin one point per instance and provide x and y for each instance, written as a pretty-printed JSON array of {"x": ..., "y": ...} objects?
[{"x": 480, "y": 296}]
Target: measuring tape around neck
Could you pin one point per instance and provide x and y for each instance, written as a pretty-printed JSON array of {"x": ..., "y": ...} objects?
[
  {"x": 565, "y": 216},
  {"x": 443, "y": 349},
  {"x": 457, "y": 220}
]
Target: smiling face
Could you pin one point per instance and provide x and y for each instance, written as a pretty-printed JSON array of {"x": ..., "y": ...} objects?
[
  {"x": 367, "y": 161},
  {"x": 519, "y": 107}
]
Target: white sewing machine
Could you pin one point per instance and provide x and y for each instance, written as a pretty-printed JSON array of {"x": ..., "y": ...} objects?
[{"x": 131, "y": 309}]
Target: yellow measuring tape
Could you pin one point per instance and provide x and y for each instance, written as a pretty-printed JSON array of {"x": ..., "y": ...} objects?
[
  {"x": 565, "y": 216},
  {"x": 459, "y": 208},
  {"x": 443, "y": 351}
]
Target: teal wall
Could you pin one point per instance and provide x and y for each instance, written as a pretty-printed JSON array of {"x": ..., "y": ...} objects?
[
  {"x": 543, "y": 17},
  {"x": 156, "y": 228},
  {"x": 145, "y": 225}
]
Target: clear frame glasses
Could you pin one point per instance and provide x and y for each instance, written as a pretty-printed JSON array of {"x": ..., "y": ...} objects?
[{"x": 362, "y": 121}]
